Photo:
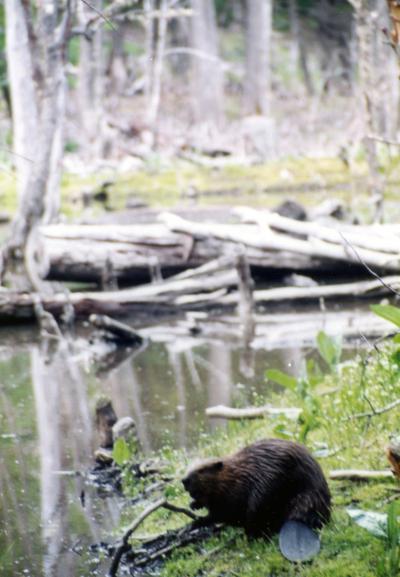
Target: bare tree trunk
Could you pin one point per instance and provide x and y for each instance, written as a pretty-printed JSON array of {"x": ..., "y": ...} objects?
[
  {"x": 258, "y": 65},
  {"x": 157, "y": 71},
  {"x": 294, "y": 35},
  {"x": 91, "y": 83},
  {"x": 368, "y": 91},
  {"x": 148, "y": 6},
  {"x": 207, "y": 81},
  {"x": 39, "y": 72},
  {"x": 387, "y": 75},
  {"x": 22, "y": 88}
]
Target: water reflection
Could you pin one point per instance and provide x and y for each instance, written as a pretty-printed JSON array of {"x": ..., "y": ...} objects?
[{"x": 47, "y": 399}]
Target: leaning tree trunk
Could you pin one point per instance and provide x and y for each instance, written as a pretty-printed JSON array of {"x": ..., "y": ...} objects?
[
  {"x": 207, "y": 81},
  {"x": 38, "y": 71}
]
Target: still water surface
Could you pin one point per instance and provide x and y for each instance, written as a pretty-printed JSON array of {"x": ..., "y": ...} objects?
[{"x": 47, "y": 399}]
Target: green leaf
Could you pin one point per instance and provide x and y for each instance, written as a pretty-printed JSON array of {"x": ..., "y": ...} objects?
[
  {"x": 329, "y": 348},
  {"x": 281, "y": 378},
  {"x": 396, "y": 338},
  {"x": 121, "y": 451},
  {"x": 387, "y": 312}
]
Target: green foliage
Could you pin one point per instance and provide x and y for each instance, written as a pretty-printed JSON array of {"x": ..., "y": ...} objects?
[
  {"x": 330, "y": 349},
  {"x": 122, "y": 453},
  {"x": 304, "y": 386},
  {"x": 281, "y": 378},
  {"x": 329, "y": 401},
  {"x": 389, "y": 565},
  {"x": 388, "y": 312}
]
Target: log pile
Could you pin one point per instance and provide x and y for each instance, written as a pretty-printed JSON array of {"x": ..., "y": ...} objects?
[
  {"x": 271, "y": 241},
  {"x": 214, "y": 261}
]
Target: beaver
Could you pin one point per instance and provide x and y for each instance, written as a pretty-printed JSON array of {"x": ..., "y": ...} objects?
[{"x": 261, "y": 487}]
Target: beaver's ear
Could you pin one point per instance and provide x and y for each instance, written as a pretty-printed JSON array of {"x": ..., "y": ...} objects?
[{"x": 217, "y": 466}]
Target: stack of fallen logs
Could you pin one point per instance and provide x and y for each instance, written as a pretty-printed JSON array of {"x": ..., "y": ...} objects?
[{"x": 209, "y": 261}]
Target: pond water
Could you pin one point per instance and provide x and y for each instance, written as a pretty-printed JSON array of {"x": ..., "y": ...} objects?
[{"x": 47, "y": 397}]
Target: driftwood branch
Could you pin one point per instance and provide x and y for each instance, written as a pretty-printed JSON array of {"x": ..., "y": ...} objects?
[
  {"x": 252, "y": 412},
  {"x": 124, "y": 545}
]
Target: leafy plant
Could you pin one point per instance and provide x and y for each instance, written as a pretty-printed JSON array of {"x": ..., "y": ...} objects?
[
  {"x": 330, "y": 349},
  {"x": 387, "y": 312}
]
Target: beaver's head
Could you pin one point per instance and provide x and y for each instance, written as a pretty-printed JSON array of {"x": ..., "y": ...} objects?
[{"x": 200, "y": 482}]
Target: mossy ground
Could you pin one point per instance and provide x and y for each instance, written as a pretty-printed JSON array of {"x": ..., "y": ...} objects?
[
  {"x": 165, "y": 183},
  {"x": 370, "y": 380}
]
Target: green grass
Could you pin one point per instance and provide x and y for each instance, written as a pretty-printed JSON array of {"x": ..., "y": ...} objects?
[{"x": 347, "y": 550}]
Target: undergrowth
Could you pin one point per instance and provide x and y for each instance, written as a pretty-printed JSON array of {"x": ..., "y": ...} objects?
[{"x": 340, "y": 402}]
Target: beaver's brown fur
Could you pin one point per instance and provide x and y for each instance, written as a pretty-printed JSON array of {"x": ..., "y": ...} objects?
[{"x": 261, "y": 487}]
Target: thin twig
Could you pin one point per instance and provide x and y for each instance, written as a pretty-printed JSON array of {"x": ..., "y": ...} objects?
[
  {"x": 183, "y": 510},
  {"x": 365, "y": 265},
  {"x": 99, "y": 13},
  {"x": 375, "y": 412}
]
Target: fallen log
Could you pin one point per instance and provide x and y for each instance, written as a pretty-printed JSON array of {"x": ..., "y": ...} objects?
[
  {"x": 359, "y": 236},
  {"x": 224, "y": 412},
  {"x": 177, "y": 294},
  {"x": 266, "y": 240},
  {"x": 81, "y": 252}
]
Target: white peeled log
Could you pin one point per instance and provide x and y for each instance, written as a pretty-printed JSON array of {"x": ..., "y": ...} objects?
[
  {"x": 224, "y": 412},
  {"x": 359, "y": 236},
  {"x": 265, "y": 239},
  {"x": 321, "y": 291},
  {"x": 360, "y": 475}
]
